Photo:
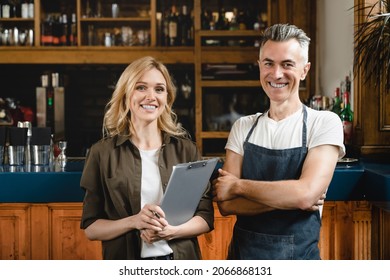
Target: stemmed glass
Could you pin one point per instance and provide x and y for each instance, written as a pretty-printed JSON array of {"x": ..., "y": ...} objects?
[{"x": 62, "y": 156}]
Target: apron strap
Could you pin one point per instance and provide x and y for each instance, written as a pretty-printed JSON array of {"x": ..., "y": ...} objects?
[
  {"x": 304, "y": 130},
  {"x": 253, "y": 126}
]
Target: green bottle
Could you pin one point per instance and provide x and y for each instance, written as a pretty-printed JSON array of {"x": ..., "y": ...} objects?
[
  {"x": 336, "y": 108},
  {"x": 346, "y": 116}
]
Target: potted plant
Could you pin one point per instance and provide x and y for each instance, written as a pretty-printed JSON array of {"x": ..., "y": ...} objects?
[{"x": 372, "y": 43}]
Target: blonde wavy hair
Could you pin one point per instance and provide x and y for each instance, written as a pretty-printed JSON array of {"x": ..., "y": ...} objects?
[{"x": 117, "y": 117}]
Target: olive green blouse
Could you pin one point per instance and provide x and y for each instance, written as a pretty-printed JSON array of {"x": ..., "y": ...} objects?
[{"x": 112, "y": 182}]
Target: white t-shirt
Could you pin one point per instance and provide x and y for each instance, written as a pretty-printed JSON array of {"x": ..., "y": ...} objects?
[
  {"x": 323, "y": 127},
  {"x": 151, "y": 192}
]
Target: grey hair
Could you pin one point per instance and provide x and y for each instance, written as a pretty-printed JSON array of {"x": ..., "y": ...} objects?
[{"x": 284, "y": 32}]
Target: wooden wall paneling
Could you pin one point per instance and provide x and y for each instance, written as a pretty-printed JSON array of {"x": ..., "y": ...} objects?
[
  {"x": 362, "y": 230},
  {"x": 343, "y": 231},
  {"x": 380, "y": 242},
  {"x": 350, "y": 230},
  {"x": 40, "y": 237},
  {"x": 336, "y": 237},
  {"x": 302, "y": 13},
  {"x": 68, "y": 241},
  {"x": 376, "y": 233},
  {"x": 384, "y": 113},
  {"x": 14, "y": 233},
  {"x": 371, "y": 103},
  {"x": 384, "y": 234},
  {"x": 327, "y": 240},
  {"x": 346, "y": 231},
  {"x": 357, "y": 88},
  {"x": 279, "y": 11}
]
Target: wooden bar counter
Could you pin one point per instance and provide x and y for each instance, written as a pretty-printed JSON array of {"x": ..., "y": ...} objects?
[{"x": 40, "y": 213}]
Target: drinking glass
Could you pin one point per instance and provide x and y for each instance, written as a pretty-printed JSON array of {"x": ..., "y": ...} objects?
[{"x": 62, "y": 156}]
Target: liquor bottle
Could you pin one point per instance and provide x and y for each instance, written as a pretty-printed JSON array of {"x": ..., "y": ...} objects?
[
  {"x": 88, "y": 10},
  {"x": 24, "y": 9},
  {"x": 184, "y": 25},
  {"x": 64, "y": 34},
  {"x": 99, "y": 9},
  {"x": 242, "y": 25},
  {"x": 205, "y": 19},
  {"x": 222, "y": 22},
  {"x": 50, "y": 105},
  {"x": 165, "y": 28},
  {"x": 192, "y": 27},
  {"x": 186, "y": 87},
  {"x": 91, "y": 35},
  {"x": 263, "y": 20},
  {"x": 336, "y": 107},
  {"x": 173, "y": 27},
  {"x": 347, "y": 84},
  {"x": 159, "y": 20},
  {"x": 57, "y": 30},
  {"x": 242, "y": 20},
  {"x": 5, "y": 9},
  {"x": 73, "y": 31},
  {"x": 31, "y": 9},
  {"x": 47, "y": 32},
  {"x": 233, "y": 25},
  {"x": 15, "y": 9},
  {"x": 346, "y": 116}
]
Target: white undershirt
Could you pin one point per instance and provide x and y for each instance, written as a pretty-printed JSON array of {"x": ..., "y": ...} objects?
[
  {"x": 151, "y": 192},
  {"x": 323, "y": 128}
]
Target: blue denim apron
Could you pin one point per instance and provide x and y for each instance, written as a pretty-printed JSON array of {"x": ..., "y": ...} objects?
[{"x": 278, "y": 234}]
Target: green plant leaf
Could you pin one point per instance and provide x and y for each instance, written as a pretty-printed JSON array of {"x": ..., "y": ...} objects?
[{"x": 372, "y": 43}]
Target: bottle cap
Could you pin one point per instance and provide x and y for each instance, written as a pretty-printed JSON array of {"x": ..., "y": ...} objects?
[
  {"x": 55, "y": 79},
  {"x": 44, "y": 80}
]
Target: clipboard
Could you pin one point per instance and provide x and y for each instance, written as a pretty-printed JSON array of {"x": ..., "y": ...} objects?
[{"x": 185, "y": 188}]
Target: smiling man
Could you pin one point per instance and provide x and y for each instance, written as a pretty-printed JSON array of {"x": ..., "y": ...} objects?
[{"x": 279, "y": 163}]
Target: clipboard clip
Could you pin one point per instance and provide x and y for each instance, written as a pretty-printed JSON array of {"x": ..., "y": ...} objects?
[{"x": 197, "y": 164}]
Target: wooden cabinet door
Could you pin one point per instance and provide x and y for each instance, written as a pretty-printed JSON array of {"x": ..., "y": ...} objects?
[
  {"x": 214, "y": 245},
  {"x": 380, "y": 231},
  {"x": 68, "y": 241},
  {"x": 14, "y": 233},
  {"x": 346, "y": 231}
]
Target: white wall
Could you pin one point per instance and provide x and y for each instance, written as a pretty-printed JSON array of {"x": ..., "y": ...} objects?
[{"x": 334, "y": 44}]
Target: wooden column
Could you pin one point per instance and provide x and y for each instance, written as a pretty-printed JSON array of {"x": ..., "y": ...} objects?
[{"x": 362, "y": 230}]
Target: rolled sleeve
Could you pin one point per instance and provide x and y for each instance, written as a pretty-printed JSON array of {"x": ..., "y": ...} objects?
[{"x": 93, "y": 203}]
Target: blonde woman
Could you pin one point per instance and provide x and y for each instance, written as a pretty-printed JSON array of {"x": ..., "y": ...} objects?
[{"x": 126, "y": 172}]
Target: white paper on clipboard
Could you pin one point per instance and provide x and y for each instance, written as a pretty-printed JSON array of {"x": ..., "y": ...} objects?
[{"x": 185, "y": 188}]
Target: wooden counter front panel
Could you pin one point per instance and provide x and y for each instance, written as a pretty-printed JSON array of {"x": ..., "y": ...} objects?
[
  {"x": 52, "y": 231},
  {"x": 14, "y": 232},
  {"x": 214, "y": 245},
  {"x": 44, "y": 232},
  {"x": 68, "y": 241}
]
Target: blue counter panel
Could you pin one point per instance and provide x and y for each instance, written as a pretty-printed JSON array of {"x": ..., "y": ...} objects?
[
  {"x": 41, "y": 184},
  {"x": 359, "y": 181},
  {"x": 41, "y": 187},
  {"x": 346, "y": 183},
  {"x": 377, "y": 182}
]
